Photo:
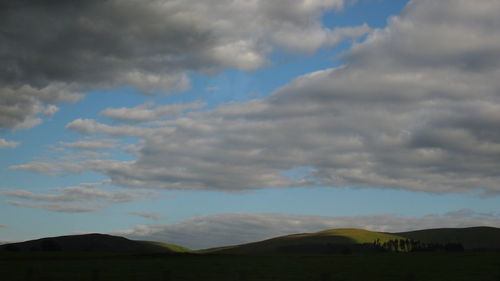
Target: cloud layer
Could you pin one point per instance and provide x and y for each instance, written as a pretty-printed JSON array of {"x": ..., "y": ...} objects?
[
  {"x": 76, "y": 199},
  {"x": 55, "y": 50},
  {"x": 148, "y": 215},
  {"x": 92, "y": 144},
  {"x": 148, "y": 112},
  {"x": 238, "y": 228},
  {"x": 416, "y": 106}
]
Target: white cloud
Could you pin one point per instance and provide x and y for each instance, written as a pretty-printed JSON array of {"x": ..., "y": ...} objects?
[
  {"x": 8, "y": 144},
  {"x": 238, "y": 228},
  {"x": 50, "y": 110}
]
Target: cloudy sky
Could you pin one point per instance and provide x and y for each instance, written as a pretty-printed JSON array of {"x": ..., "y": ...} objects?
[{"x": 215, "y": 122}]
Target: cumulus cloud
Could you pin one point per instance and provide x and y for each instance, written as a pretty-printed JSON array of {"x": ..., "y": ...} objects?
[
  {"x": 388, "y": 118},
  {"x": 147, "y": 111},
  {"x": 23, "y": 104},
  {"x": 74, "y": 199},
  {"x": 238, "y": 228},
  {"x": 8, "y": 144},
  {"x": 416, "y": 107},
  {"x": 148, "y": 215},
  {"x": 149, "y": 45},
  {"x": 50, "y": 110}
]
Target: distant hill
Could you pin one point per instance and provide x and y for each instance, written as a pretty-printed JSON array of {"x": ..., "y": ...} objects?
[
  {"x": 472, "y": 238},
  {"x": 324, "y": 242},
  {"x": 87, "y": 243},
  {"x": 328, "y": 241},
  {"x": 359, "y": 240}
]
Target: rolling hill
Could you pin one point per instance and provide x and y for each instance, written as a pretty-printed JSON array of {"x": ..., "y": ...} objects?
[
  {"x": 87, "y": 243},
  {"x": 322, "y": 242},
  {"x": 472, "y": 238},
  {"x": 328, "y": 241},
  {"x": 359, "y": 240}
]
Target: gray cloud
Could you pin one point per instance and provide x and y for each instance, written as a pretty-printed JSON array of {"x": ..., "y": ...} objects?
[
  {"x": 55, "y": 50},
  {"x": 3, "y": 225},
  {"x": 147, "y": 111},
  {"x": 237, "y": 228},
  {"x": 56, "y": 207},
  {"x": 383, "y": 120},
  {"x": 22, "y": 105},
  {"x": 90, "y": 126},
  {"x": 65, "y": 165},
  {"x": 79, "y": 194},
  {"x": 446, "y": 33},
  {"x": 8, "y": 144},
  {"x": 388, "y": 118},
  {"x": 51, "y": 168},
  {"x": 89, "y": 198},
  {"x": 96, "y": 144},
  {"x": 148, "y": 215},
  {"x": 468, "y": 213}
]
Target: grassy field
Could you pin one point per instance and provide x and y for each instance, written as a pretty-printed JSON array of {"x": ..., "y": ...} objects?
[
  {"x": 438, "y": 266},
  {"x": 172, "y": 247}
]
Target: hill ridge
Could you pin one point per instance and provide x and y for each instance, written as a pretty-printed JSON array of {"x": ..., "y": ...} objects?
[
  {"x": 89, "y": 242},
  {"x": 334, "y": 240}
]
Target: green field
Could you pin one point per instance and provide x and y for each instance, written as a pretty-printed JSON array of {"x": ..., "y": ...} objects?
[
  {"x": 438, "y": 266},
  {"x": 171, "y": 247}
]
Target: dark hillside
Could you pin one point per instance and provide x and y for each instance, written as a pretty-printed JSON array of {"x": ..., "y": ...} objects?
[
  {"x": 472, "y": 238},
  {"x": 86, "y": 243}
]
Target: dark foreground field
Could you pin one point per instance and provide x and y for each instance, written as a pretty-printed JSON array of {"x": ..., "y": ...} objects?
[{"x": 439, "y": 266}]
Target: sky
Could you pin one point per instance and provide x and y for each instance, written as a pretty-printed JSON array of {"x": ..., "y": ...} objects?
[{"x": 209, "y": 123}]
